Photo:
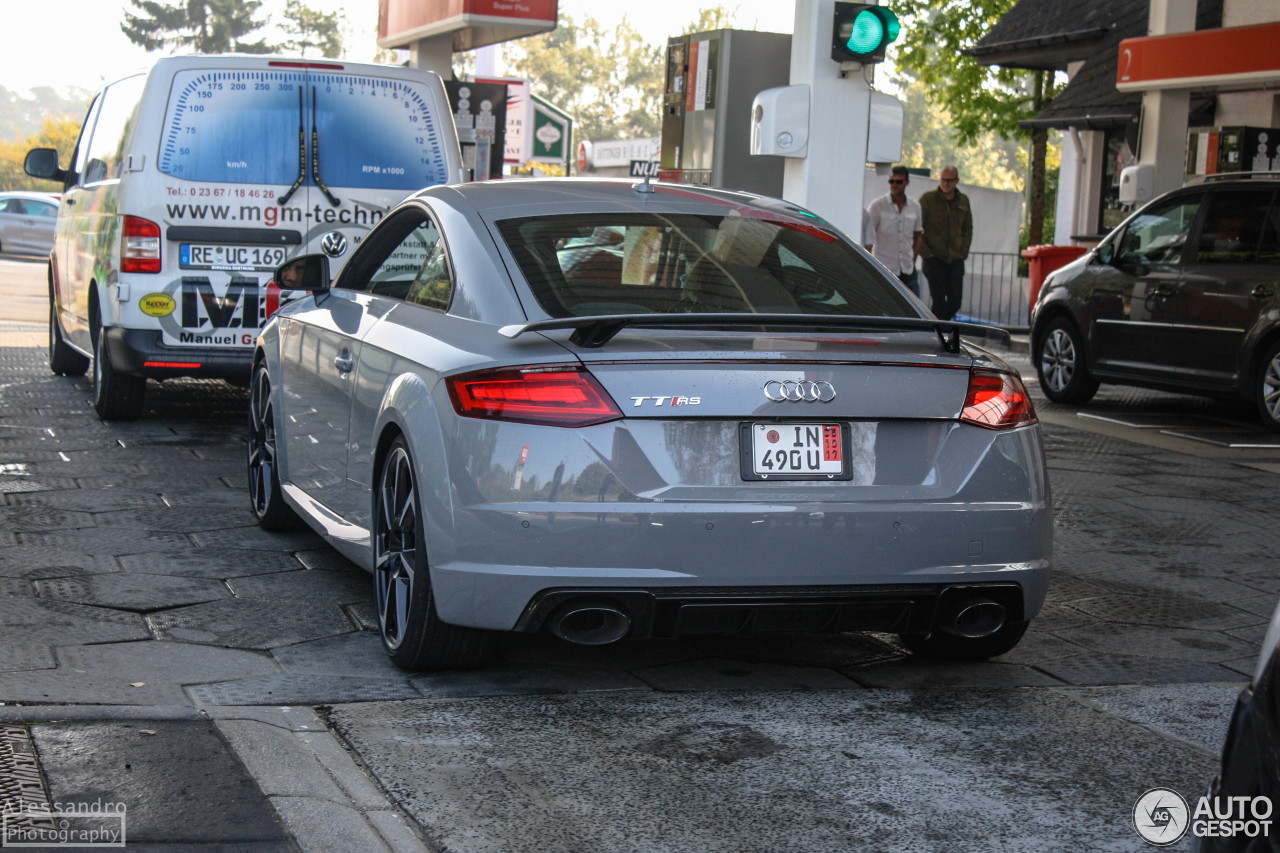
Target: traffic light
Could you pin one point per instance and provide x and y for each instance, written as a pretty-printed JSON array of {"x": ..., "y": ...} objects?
[{"x": 862, "y": 31}]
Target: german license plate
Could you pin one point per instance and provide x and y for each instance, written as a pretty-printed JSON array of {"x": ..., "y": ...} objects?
[
  {"x": 797, "y": 450},
  {"x": 202, "y": 256}
]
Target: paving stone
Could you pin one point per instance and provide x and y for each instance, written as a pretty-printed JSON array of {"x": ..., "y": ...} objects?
[
  {"x": 338, "y": 587},
  {"x": 277, "y": 761},
  {"x": 134, "y": 592},
  {"x": 1168, "y": 643},
  {"x": 1174, "y": 611},
  {"x": 53, "y": 622},
  {"x": 359, "y": 653},
  {"x": 11, "y": 484},
  {"x": 156, "y": 662},
  {"x": 249, "y": 623},
  {"x": 208, "y": 564},
  {"x": 30, "y": 518},
  {"x": 523, "y": 679},
  {"x": 1133, "y": 669},
  {"x": 16, "y": 587},
  {"x": 103, "y": 541},
  {"x": 52, "y": 563},
  {"x": 912, "y": 674},
  {"x": 96, "y": 500},
  {"x": 18, "y": 655},
  {"x": 175, "y": 518},
  {"x": 1198, "y": 714},
  {"x": 715, "y": 674},
  {"x": 254, "y": 538},
  {"x": 325, "y": 559},
  {"x": 301, "y": 689},
  {"x": 321, "y": 825}
]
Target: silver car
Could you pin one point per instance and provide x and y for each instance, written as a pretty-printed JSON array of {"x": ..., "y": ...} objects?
[
  {"x": 26, "y": 222},
  {"x": 608, "y": 410}
]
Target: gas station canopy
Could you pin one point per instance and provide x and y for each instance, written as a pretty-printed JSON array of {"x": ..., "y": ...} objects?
[{"x": 473, "y": 23}]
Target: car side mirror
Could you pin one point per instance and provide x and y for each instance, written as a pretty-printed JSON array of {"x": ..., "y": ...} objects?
[
  {"x": 43, "y": 163},
  {"x": 308, "y": 272},
  {"x": 1106, "y": 253}
]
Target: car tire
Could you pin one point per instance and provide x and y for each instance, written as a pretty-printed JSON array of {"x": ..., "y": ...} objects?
[
  {"x": 413, "y": 635},
  {"x": 1266, "y": 385},
  {"x": 265, "y": 496},
  {"x": 942, "y": 646},
  {"x": 63, "y": 360},
  {"x": 116, "y": 396},
  {"x": 1060, "y": 364}
]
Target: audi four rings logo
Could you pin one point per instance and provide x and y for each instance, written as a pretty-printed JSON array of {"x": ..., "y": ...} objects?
[
  {"x": 799, "y": 390},
  {"x": 333, "y": 244}
]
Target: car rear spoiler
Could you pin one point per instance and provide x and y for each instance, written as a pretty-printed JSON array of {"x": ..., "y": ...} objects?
[{"x": 596, "y": 331}]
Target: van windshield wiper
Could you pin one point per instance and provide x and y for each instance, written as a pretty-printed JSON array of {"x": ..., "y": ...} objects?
[
  {"x": 302, "y": 155},
  {"x": 596, "y": 331},
  {"x": 315, "y": 153}
]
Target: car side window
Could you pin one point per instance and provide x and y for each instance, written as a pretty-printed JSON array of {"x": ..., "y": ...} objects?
[
  {"x": 409, "y": 262},
  {"x": 8, "y": 205},
  {"x": 1269, "y": 243},
  {"x": 1233, "y": 226},
  {"x": 40, "y": 208},
  {"x": 1158, "y": 236}
]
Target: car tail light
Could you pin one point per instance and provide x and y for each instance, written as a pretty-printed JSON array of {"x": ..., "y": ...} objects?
[
  {"x": 556, "y": 396},
  {"x": 140, "y": 245},
  {"x": 997, "y": 401}
]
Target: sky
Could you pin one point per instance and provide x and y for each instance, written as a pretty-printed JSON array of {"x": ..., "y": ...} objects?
[{"x": 78, "y": 43}]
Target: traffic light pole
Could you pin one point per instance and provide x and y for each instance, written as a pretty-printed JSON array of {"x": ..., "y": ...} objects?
[{"x": 829, "y": 180}]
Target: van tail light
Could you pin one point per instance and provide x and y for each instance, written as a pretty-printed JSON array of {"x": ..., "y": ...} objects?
[
  {"x": 555, "y": 396},
  {"x": 140, "y": 245},
  {"x": 997, "y": 401}
]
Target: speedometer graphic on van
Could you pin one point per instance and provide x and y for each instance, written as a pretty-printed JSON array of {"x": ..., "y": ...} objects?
[{"x": 301, "y": 126}]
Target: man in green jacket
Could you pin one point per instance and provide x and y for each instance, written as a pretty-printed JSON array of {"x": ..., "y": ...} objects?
[{"x": 947, "y": 223}]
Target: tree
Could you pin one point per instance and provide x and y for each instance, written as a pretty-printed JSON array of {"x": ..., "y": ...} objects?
[
  {"x": 611, "y": 82},
  {"x": 312, "y": 30},
  {"x": 203, "y": 26},
  {"x": 58, "y": 132},
  {"x": 979, "y": 98}
]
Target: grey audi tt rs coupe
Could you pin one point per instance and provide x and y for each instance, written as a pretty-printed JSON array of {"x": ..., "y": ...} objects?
[{"x": 606, "y": 409}]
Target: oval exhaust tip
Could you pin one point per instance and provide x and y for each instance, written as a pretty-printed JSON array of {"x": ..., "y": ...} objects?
[
  {"x": 589, "y": 623},
  {"x": 973, "y": 618}
]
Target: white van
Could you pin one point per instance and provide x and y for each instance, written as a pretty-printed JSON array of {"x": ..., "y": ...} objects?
[{"x": 193, "y": 181}]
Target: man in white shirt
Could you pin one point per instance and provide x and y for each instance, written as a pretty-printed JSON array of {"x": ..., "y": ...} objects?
[{"x": 894, "y": 223}]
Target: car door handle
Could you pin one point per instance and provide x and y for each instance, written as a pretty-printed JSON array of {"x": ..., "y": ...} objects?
[
  {"x": 343, "y": 362},
  {"x": 1162, "y": 290},
  {"x": 1261, "y": 292}
]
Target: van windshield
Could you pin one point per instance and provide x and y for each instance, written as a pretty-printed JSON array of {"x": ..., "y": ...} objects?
[{"x": 267, "y": 126}]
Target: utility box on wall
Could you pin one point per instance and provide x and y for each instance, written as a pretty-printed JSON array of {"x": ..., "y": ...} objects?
[{"x": 712, "y": 79}]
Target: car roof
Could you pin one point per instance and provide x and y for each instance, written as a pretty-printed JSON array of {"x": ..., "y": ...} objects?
[
  {"x": 498, "y": 199},
  {"x": 39, "y": 196}
]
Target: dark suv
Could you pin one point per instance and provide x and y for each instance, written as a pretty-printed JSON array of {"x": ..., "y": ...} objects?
[{"x": 1184, "y": 295}]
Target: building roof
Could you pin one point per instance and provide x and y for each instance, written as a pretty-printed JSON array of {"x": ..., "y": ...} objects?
[{"x": 1049, "y": 34}]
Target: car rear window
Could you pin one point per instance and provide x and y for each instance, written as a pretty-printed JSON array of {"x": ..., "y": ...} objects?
[{"x": 651, "y": 263}]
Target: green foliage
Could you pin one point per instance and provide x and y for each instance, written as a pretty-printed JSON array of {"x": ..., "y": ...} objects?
[
  {"x": 312, "y": 31},
  {"x": 55, "y": 132},
  {"x": 929, "y": 141},
  {"x": 610, "y": 81},
  {"x": 980, "y": 98},
  {"x": 202, "y": 26}
]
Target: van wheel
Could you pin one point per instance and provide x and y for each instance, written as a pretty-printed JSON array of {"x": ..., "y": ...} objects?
[
  {"x": 1267, "y": 388},
  {"x": 1060, "y": 364},
  {"x": 116, "y": 396},
  {"x": 63, "y": 360}
]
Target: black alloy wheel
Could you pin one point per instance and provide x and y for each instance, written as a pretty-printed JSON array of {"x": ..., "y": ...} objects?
[
  {"x": 1060, "y": 364},
  {"x": 412, "y": 633},
  {"x": 1267, "y": 387},
  {"x": 265, "y": 495}
]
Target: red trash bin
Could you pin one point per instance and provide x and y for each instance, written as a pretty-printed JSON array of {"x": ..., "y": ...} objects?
[{"x": 1042, "y": 260}]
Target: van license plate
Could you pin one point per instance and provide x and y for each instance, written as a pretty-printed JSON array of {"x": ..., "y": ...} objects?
[
  {"x": 201, "y": 256},
  {"x": 797, "y": 450}
]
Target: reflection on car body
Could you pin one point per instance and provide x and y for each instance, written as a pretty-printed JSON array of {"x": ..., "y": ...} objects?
[{"x": 509, "y": 447}]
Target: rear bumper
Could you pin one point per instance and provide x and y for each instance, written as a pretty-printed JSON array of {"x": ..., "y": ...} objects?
[
  {"x": 664, "y": 604},
  {"x": 140, "y": 352}
]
